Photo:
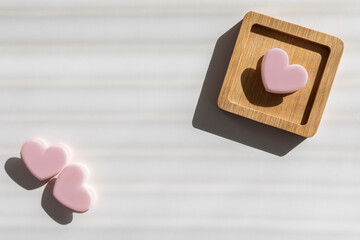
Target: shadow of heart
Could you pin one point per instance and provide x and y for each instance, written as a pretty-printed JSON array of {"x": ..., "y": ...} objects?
[
  {"x": 16, "y": 169},
  {"x": 58, "y": 212},
  {"x": 250, "y": 80}
]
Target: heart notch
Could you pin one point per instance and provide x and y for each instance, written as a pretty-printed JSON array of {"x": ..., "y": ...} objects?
[{"x": 280, "y": 77}]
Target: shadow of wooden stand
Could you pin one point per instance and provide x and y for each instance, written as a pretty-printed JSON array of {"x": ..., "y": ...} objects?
[{"x": 208, "y": 117}]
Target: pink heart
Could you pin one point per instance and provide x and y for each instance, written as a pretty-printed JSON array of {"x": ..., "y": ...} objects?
[
  {"x": 42, "y": 161},
  {"x": 280, "y": 77},
  {"x": 70, "y": 188}
]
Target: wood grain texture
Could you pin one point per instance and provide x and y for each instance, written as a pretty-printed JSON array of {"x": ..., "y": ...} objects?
[{"x": 243, "y": 93}]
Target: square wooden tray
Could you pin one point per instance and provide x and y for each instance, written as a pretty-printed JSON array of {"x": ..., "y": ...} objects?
[{"x": 243, "y": 93}]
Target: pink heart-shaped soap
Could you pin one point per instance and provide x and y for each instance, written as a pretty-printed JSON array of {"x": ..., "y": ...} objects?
[
  {"x": 70, "y": 188},
  {"x": 280, "y": 77},
  {"x": 42, "y": 161}
]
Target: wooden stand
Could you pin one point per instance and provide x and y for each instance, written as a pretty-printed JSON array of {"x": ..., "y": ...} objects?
[{"x": 243, "y": 93}]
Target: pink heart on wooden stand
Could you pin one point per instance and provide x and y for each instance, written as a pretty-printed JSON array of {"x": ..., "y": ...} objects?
[{"x": 280, "y": 77}]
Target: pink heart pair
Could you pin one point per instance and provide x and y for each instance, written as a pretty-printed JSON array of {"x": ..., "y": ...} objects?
[
  {"x": 280, "y": 77},
  {"x": 46, "y": 162}
]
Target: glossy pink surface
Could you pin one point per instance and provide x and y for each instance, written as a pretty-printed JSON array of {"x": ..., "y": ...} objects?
[
  {"x": 280, "y": 77},
  {"x": 70, "y": 188},
  {"x": 42, "y": 161}
]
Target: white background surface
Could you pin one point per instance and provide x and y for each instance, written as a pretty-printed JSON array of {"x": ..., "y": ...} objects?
[{"x": 118, "y": 81}]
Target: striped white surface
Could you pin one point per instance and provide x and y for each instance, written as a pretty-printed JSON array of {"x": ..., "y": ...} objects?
[{"x": 119, "y": 81}]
